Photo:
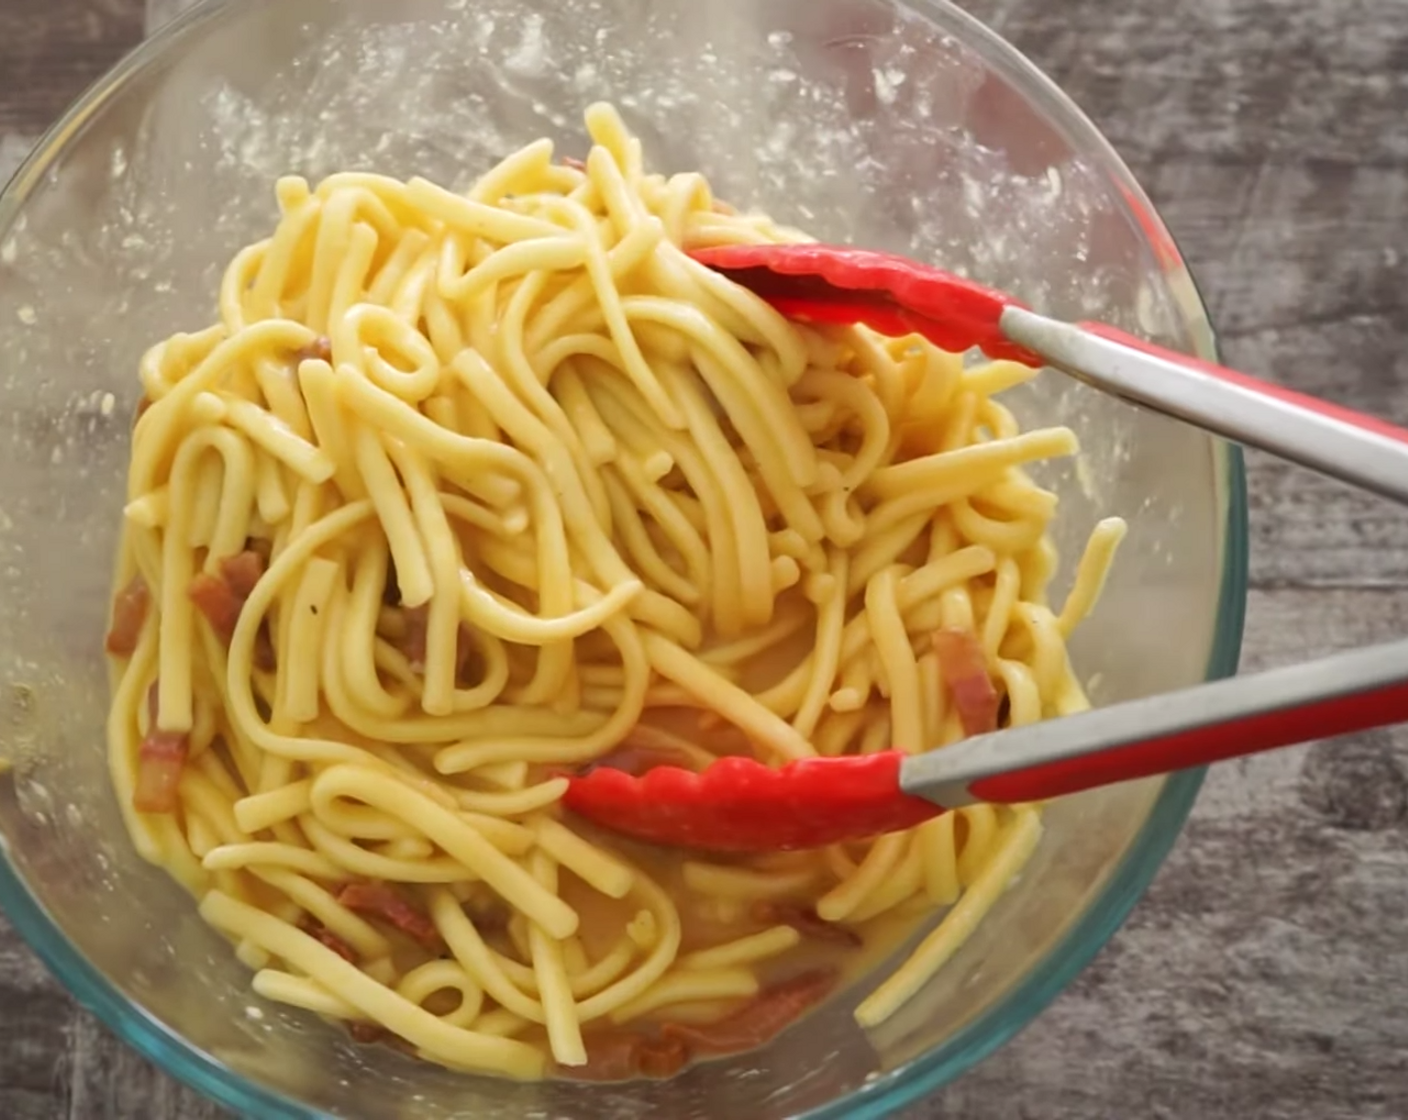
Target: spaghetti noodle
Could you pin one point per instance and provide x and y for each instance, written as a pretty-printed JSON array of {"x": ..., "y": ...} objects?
[{"x": 466, "y": 490}]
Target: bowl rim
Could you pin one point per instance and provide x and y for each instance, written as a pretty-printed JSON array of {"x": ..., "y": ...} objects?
[{"x": 985, "y": 1033}]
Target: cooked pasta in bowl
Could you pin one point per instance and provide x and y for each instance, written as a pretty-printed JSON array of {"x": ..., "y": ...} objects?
[
  {"x": 431, "y": 470},
  {"x": 462, "y": 489}
]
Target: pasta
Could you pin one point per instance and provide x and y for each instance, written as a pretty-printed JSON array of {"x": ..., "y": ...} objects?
[{"x": 464, "y": 491}]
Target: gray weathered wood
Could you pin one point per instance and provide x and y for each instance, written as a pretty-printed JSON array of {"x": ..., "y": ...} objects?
[
  {"x": 1263, "y": 976},
  {"x": 49, "y": 52}
]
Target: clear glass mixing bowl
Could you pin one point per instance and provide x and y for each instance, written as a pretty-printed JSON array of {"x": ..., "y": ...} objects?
[{"x": 901, "y": 127}]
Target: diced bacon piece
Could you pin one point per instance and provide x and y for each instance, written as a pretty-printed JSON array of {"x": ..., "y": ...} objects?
[
  {"x": 320, "y": 348},
  {"x": 574, "y": 163},
  {"x": 329, "y": 939},
  {"x": 366, "y": 1033},
  {"x": 661, "y": 1057},
  {"x": 129, "y": 612},
  {"x": 221, "y": 597},
  {"x": 621, "y": 1055},
  {"x": 160, "y": 760},
  {"x": 215, "y": 599},
  {"x": 965, "y": 670},
  {"x": 805, "y": 921},
  {"x": 242, "y": 571},
  {"x": 142, "y": 406},
  {"x": 774, "y": 1008},
  {"x": 381, "y": 901},
  {"x": 611, "y": 1056}
]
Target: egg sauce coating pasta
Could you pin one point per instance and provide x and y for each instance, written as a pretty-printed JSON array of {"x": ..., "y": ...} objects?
[{"x": 466, "y": 491}]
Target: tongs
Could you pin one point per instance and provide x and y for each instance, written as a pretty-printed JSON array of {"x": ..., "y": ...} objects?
[{"x": 739, "y": 804}]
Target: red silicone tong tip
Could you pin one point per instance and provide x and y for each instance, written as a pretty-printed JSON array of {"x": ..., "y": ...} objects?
[
  {"x": 893, "y": 295},
  {"x": 738, "y": 804}
]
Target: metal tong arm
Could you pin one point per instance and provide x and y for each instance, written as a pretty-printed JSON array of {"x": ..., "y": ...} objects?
[{"x": 1210, "y": 722}]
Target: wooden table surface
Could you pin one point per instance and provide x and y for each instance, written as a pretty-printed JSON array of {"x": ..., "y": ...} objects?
[{"x": 1265, "y": 975}]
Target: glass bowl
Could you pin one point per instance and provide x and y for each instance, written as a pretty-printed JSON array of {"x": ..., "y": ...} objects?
[{"x": 902, "y": 127}]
